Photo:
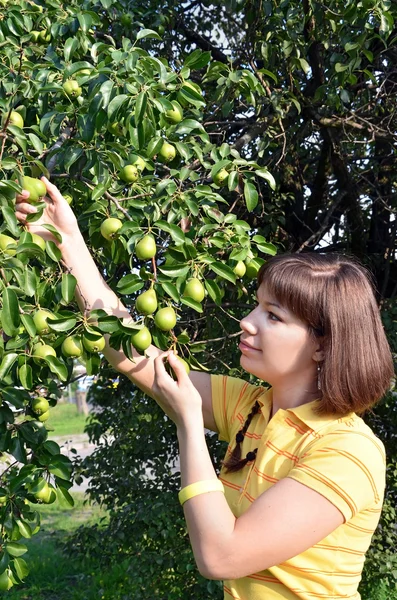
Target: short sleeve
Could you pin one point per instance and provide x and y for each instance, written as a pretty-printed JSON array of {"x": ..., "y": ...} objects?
[
  {"x": 232, "y": 401},
  {"x": 348, "y": 468}
]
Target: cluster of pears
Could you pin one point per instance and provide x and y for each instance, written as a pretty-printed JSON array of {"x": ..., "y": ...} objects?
[
  {"x": 9, "y": 245},
  {"x": 41, "y": 408},
  {"x": 165, "y": 319},
  {"x": 72, "y": 346}
]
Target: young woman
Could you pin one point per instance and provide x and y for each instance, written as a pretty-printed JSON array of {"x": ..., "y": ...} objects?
[{"x": 293, "y": 511}]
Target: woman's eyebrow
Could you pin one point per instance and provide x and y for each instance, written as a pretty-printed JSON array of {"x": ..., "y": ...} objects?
[{"x": 271, "y": 303}]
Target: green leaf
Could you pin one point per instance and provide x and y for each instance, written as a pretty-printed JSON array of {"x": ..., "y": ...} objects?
[
  {"x": 15, "y": 549},
  {"x": 53, "y": 251},
  {"x": 17, "y": 449},
  {"x": 28, "y": 323},
  {"x": 7, "y": 363},
  {"x": 188, "y": 125},
  {"x": 222, "y": 164},
  {"x": 63, "y": 492},
  {"x": 73, "y": 154},
  {"x": 60, "y": 466},
  {"x": 192, "y": 96},
  {"x": 116, "y": 104},
  {"x": 36, "y": 142},
  {"x": 62, "y": 324},
  {"x": 54, "y": 231},
  {"x": 264, "y": 173},
  {"x": 129, "y": 284},
  {"x": 20, "y": 566},
  {"x": 14, "y": 396},
  {"x": 140, "y": 107},
  {"x": 223, "y": 271},
  {"x": 57, "y": 367},
  {"x": 144, "y": 33},
  {"x": 171, "y": 290},
  {"x": 10, "y": 314},
  {"x": 70, "y": 48},
  {"x": 192, "y": 304},
  {"x": 68, "y": 287},
  {"x": 197, "y": 59},
  {"x": 109, "y": 324},
  {"x": 11, "y": 220},
  {"x": 214, "y": 291},
  {"x": 175, "y": 232},
  {"x": 25, "y": 376},
  {"x": 98, "y": 192},
  {"x": 174, "y": 270},
  {"x": 85, "y": 21},
  {"x": 250, "y": 195},
  {"x": 269, "y": 74},
  {"x": 154, "y": 146},
  {"x": 232, "y": 181}
]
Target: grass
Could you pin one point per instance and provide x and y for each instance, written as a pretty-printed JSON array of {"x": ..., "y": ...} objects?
[
  {"x": 65, "y": 420},
  {"x": 55, "y": 576}
]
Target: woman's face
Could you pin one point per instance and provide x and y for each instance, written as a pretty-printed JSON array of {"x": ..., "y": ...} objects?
[{"x": 275, "y": 345}]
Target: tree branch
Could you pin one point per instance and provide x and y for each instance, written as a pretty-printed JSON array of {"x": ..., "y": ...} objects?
[{"x": 202, "y": 42}]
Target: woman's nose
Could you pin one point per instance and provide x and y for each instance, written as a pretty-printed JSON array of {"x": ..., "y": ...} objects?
[{"x": 247, "y": 324}]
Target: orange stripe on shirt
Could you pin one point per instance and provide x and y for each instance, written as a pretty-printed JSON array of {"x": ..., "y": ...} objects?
[
  {"x": 233, "y": 486},
  {"x": 265, "y": 476},
  {"x": 229, "y": 592},
  {"x": 282, "y": 452},
  {"x": 224, "y": 385},
  {"x": 264, "y": 578},
  {"x": 358, "y": 528},
  {"x": 242, "y": 393},
  {"x": 339, "y": 549},
  {"x": 307, "y": 570},
  {"x": 372, "y": 440},
  {"x": 253, "y": 436},
  {"x": 364, "y": 468},
  {"x": 331, "y": 485},
  {"x": 295, "y": 426},
  {"x": 317, "y": 595}
]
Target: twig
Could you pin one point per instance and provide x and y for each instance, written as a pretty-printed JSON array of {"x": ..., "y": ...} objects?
[{"x": 65, "y": 135}]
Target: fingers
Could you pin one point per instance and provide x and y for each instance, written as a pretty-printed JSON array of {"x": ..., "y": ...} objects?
[
  {"x": 175, "y": 364},
  {"x": 178, "y": 367},
  {"x": 53, "y": 191},
  {"x": 24, "y": 195},
  {"x": 23, "y": 209},
  {"x": 159, "y": 368}
]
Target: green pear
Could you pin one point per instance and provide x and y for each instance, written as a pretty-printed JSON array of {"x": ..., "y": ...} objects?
[{"x": 36, "y": 188}]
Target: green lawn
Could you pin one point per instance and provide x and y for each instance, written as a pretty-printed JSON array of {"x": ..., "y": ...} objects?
[
  {"x": 54, "y": 576},
  {"x": 65, "y": 420}
]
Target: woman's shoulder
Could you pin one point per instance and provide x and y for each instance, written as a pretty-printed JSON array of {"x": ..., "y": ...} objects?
[{"x": 353, "y": 435}]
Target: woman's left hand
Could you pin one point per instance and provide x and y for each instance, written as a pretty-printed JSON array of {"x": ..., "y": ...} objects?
[{"x": 179, "y": 399}]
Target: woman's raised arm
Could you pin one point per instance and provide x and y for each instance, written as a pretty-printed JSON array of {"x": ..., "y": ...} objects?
[{"x": 94, "y": 292}]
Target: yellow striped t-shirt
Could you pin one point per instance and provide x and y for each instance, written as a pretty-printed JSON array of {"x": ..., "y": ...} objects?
[{"x": 340, "y": 458}]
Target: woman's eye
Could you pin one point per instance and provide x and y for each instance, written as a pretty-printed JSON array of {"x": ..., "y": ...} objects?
[{"x": 273, "y": 315}]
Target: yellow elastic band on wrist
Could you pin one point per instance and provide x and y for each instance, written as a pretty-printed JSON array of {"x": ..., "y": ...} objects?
[{"x": 200, "y": 487}]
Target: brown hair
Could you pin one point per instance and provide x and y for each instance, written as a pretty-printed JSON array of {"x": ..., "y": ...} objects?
[{"x": 335, "y": 296}]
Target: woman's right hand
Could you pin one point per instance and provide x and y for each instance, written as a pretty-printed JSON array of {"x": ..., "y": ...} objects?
[{"x": 57, "y": 213}]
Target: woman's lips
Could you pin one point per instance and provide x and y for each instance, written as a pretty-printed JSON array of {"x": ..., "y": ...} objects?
[{"x": 244, "y": 347}]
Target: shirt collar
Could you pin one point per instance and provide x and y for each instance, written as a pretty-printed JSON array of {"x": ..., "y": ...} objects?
[{"x": 304, "y": 412}]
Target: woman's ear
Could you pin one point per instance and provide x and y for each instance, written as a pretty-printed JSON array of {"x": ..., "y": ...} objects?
[{"x": 319, "y": 354}]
